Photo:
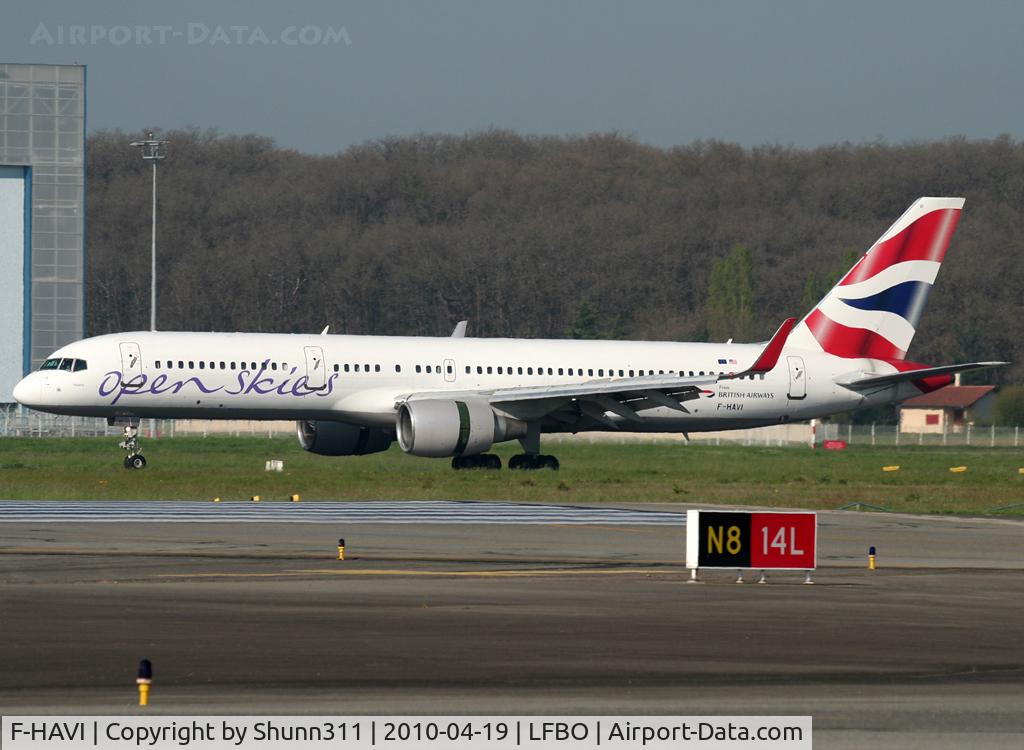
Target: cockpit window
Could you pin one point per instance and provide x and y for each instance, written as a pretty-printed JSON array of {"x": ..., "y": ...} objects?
[{"x": 65, "y": 363}]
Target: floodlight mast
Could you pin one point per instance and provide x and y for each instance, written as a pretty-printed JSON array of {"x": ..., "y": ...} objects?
[{"x": 153, "y": 151}]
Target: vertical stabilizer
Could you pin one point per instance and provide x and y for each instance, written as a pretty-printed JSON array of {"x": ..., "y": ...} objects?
[{"x": 874, "y": 310}]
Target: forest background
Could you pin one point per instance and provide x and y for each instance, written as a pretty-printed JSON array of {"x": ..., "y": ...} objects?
[{"x": 535, "y": 236}]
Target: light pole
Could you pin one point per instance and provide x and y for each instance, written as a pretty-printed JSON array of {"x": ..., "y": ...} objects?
[{"x": 153, "y": 150}]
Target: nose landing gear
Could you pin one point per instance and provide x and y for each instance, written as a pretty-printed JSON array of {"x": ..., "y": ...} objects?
[{"x": 130, "y": 444}]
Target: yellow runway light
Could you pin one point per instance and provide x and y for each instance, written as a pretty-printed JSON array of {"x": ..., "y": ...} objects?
[{"x": 890, "y": 468}]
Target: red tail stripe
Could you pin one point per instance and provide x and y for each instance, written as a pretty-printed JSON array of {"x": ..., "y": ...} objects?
[
  {"x": 843, "y": 341},
  {"x": 925, "y": 239}
]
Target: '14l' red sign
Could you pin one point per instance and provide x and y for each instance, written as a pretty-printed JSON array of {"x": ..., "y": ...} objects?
[{"x": 737, "y": 539}]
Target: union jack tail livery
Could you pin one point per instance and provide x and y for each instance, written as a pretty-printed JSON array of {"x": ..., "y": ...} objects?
[{"x": 874, "y": 310}]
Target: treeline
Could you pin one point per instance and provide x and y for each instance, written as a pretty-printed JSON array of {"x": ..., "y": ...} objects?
[{"x": 542, "y": 236}]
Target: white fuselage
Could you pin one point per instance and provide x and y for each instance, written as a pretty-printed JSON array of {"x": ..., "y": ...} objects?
[{"x": 359, "y": 379}]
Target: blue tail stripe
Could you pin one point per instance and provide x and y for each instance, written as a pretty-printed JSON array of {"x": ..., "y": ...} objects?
[{"x": 906, "y": 300}]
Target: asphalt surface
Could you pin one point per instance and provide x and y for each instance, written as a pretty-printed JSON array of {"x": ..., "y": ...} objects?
[{"x": 561, "y": 618}]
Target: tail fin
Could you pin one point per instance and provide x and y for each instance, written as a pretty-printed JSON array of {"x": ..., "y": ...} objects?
[{"x": 874, "y": 310}]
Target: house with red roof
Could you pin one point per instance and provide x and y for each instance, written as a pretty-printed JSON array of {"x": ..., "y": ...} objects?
[{"x": 948, "y": 409}]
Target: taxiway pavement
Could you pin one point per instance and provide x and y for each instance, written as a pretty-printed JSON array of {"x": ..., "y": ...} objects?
[{"x": 552, "y": 618}]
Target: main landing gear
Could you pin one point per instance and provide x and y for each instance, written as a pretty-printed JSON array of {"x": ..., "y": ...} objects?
[
  {"x": 531, "y": 458},
  {"x": 532, "y": 461},
  {"x": 482, "y": 461},
  {"x": 134, "y": 459}
]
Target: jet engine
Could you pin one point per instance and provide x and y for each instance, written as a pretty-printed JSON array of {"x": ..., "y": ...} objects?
[
  {"x": 340, "y": 439},
  {"x": 437, "y": 428}
]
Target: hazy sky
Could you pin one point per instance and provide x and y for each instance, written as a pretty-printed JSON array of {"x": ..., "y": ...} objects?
[{"x": 795, "y": 73}]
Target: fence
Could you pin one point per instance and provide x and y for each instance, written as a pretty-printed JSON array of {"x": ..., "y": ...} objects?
[
  {"x": 37, "y": 424},
  {"x": 15, "y": 423}
]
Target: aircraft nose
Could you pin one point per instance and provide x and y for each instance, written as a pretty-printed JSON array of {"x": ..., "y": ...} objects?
[{"x": 27, "y": 391}]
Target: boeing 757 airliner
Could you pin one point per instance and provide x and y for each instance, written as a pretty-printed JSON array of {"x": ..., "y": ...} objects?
[{"x": 457, "y": 396}]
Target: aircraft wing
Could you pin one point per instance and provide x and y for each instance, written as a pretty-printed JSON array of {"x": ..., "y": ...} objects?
[
  {"x": 872, "y": 380},
  {"x": 625, "y": 397}
]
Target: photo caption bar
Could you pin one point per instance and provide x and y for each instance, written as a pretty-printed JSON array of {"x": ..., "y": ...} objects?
[{"x": 361, "y": 732}]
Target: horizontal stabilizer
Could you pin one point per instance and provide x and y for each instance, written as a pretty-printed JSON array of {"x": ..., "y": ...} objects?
[{"x": 876, "y": 380}]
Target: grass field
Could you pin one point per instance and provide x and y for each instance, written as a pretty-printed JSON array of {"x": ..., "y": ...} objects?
[{"x": 233, "y": 468}]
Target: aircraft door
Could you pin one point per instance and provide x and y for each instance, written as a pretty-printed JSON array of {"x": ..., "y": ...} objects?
[
  {"x": 449, "y": 370},
  {"x": 797, "y": 378},
  {"x": 316, "y": 370},
  {"x": 131, "y": 365}
]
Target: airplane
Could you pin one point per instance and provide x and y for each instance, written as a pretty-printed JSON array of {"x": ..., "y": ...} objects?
[{"x": 456, "y": 396}]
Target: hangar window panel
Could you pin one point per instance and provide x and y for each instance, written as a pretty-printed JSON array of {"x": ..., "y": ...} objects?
[
  {"x": 67, "y": 307},
  {"x": 44, "y": 124}
]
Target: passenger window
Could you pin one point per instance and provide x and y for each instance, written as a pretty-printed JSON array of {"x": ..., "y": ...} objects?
[
  {"x": 376, "y": 368},
  {"x": 222, "y": 366},
  {"x": 336, "y": 368},
  {"x": 529, "y": 371},
  {"x": 366, "y": 368},
  {"x": 181, "y": 365},
  {"x": 550, "y": 372},
  {"x": 357, "y": 368},
  {"x": 419, "y": 369},
  {"x": 590, "y": 373},
  {"x": 479, "y": 370},
  {"x": 468, "y": 369},
  {"x": 621, "y": 374},
  {"x": 202, "y": 365},
  {"x": 398, "y": 368},
  {"x": 519, "y": 370},
  {"x": 273, "y": 366},
  {"x": 191, "y": 364},
  {"x": 347, "y": 368},
  {"x": 253, "y": 366},
  {"x": 499, "y": 369},
  {"x": 488, "y": 370},
  {"x": 80, "y": 365},
  {"x": 429, "y": 371},
  {"x": 232, "y": 365},
  {"x": 157, "y": 364},
  {"x": 560, "y": 371}
]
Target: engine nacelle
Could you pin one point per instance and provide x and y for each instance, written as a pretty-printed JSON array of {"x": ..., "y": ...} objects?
[
  {"x": 340, "y": 439},
  {"x": 438, "y": 428}
]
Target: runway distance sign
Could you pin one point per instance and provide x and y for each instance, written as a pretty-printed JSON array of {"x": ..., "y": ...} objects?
[{"x": 758, "y": 540}]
